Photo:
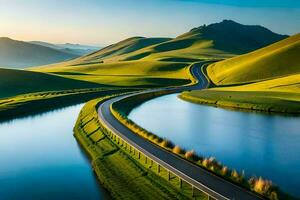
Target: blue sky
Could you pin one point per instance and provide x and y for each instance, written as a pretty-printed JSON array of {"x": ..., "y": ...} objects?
[{"x": 103, "y": 22}]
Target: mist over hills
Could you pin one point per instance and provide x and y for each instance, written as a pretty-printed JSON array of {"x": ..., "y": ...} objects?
[
  {"x": 215, "y": 41},
  {"x": 76, "y": 49},
  {"x": 20, "y": 54}
]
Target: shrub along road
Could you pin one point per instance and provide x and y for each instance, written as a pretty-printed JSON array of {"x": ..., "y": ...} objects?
[{"x": 202, "y": 179}]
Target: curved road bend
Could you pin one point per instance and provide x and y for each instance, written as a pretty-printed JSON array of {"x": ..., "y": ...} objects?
[{"x": 202, "y": 179}]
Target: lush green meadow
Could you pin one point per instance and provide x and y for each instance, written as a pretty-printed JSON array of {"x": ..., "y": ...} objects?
[
  {"x": 130, "y": 73},
  {"x": 15, "y": 82}
]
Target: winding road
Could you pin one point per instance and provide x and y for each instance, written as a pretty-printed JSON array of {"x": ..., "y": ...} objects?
[{"x": 216, "y": 187}]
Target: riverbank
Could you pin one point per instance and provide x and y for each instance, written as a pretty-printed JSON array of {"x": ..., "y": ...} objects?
[
  {"x": 264, "y": 101},
  {"x": 258, "y": 185},
  {"x": 35, "y": 103},
  {"x": 120, "y": 170},
  {"x": 120, "y": 111}
]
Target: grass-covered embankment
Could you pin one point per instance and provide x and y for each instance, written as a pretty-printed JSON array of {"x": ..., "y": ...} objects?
[
  {"x": 266, "y": 101},
  {"x": 118, "y": 168},
  {"x": 258, "y": 185},
  {"x": 34, "y": 103}
]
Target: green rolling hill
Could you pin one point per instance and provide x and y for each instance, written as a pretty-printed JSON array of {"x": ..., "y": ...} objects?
[
  {"x": 129, "y": 73},
  {"x": 277, "y": 60},
  {"x": 124, "y": 47},
  {"x": 14, "y": 82},
  {"x": 214, "y": 41},
  {"x": 267, "y": 79},
  {"x": 162, "y": 61}
]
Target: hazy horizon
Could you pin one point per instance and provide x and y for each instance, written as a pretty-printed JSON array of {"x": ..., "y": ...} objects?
[{"x": 104, "y": 22}]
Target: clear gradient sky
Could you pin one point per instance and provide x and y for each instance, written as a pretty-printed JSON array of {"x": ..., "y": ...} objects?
[{"x": 101, "y": 22}]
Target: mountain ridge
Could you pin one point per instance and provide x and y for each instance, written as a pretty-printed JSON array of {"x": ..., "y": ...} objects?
[{"x": 20, "y": 54}]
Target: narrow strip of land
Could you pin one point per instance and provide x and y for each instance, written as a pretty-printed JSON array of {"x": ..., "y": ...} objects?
[{"x": 202, "y": 179}]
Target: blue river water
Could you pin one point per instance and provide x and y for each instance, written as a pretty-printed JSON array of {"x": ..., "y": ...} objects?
[
  {"x": 261, "y": 144},
  {"x": 40, "y": 159}
]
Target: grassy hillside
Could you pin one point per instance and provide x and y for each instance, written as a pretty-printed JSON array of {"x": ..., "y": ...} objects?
[
  {"x": 162, "y": 61},
  {"x": 19, "y": 54},
  {"x": 272, "y": 75},
  {"x": 290, "y": 83},
  {"x": 215, "y": 41},
  {"x": 133, "y": 73},
  {"x": 277, "y": 60},
  {"x": 14, "y": 82},
  {"x": 123, "y": 47}
]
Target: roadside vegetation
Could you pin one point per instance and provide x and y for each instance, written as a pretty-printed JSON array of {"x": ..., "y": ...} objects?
[
  {"x": 259, "y": 185},
  {"x": 122, "y": 171}
]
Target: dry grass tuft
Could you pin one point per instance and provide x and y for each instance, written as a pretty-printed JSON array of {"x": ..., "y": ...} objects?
[
  {"x": 177, "y": 150},
  {"x": 190, "y": 155},
  {"x": 167, "y": 144}
]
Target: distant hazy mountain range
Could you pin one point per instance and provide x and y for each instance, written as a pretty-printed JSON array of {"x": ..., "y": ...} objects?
[
  {"x": 76, "y": 49},
  {"x": 20, "y": 54},
  {"x": 214, "y": 41}
]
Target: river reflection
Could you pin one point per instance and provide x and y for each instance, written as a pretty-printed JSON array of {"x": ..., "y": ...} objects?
[
  {"x": 260, "y": 144},
  {"x": 40, "y": 159}
]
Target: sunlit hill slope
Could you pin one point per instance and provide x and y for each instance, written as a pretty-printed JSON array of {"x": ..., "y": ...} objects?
[
  {"x": 142, "y": 61},
  {"x": 277, "y": 60},
  {"x": 267, "y": 79}
]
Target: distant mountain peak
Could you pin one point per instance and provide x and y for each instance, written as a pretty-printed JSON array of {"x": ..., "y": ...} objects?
[
  {"x": 5, "y": 39},
  {"x": 20, "y": 54},
  {"x": 229, "y": 21},
  {"x": 228, "y": 24},
  {"x": 233, "y": 37}
]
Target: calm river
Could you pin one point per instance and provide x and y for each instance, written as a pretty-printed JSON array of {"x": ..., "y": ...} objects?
[
  {"x": 40, "y": 159},
  {"x": 261, "y": 144}
]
